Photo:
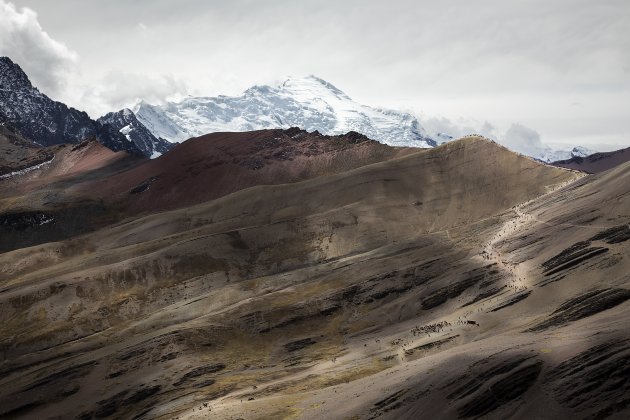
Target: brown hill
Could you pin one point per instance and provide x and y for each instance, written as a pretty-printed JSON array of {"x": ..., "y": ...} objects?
[
  {"x": 597, "y": 162},
  {"x": 87, "y": 186},
  {"x": 218, "y": 164},
  {"x": 451, "y": 282}
]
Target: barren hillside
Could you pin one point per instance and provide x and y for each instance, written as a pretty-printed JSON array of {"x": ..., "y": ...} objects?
[{"x": 457, "y": 282}]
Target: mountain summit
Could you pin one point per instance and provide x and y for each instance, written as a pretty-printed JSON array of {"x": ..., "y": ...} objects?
[
  {"x": 309, "y": 103},
  {"x": 128, "y": 125},
  {"x": 12, "y": 76},
  {"x": 44, "y": 121}
]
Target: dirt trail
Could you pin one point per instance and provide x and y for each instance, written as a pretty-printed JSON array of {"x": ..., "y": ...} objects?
[{"x": 491, "y": 252}]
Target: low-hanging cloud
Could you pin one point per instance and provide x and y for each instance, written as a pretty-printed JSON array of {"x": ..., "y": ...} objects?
[
  {"x": 46, "y": 61},
  {"x": 120, "y": 89},
  {"x": 458, "y": 128},
  {"x": 523, "y": 140}
]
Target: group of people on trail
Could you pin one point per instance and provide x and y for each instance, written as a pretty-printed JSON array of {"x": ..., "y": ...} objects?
[
  {"x": 463, "y": 321},
  {"x": 430, "y": 328}
]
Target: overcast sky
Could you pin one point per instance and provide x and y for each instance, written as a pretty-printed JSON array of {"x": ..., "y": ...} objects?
[{"x": 561, "y": 68}]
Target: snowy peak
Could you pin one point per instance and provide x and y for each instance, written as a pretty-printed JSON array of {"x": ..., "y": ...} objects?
[
  {"x": 549, "y": 155},
  {"x": 312, "y": 86},
  {"x": 12, "y": 76},
  {"x": 309, "y": 103},
  {"x": 135, "y": 132},
  {"x": 581, "y": 151}
]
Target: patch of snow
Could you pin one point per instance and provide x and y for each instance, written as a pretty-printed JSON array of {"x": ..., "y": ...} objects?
[
  {"x": 126, "y": 130},
  {"x": 46, "y": 219},
  {"x": 26, "y": 170}
]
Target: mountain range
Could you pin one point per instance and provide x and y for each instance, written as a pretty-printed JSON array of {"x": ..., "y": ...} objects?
[{"x": 309, "y": 103}]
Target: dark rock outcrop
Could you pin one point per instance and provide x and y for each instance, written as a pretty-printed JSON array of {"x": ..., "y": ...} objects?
[{"x": 46, "y": 122}]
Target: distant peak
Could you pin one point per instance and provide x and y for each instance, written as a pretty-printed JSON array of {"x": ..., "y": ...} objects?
[
  {"x": 124, "y": 114},
  {"x": 311, "y": 82}
]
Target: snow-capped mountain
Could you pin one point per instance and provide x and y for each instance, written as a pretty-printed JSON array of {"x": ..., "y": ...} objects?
[
  {"x": 309, "y": 103},
  {"x": 556, "y": 155},
  {"x": 134, "y": 131},
  {"x": 46, "y": 122}
]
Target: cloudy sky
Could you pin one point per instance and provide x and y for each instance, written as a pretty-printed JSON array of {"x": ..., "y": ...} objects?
[{"x": 558, "y": 70}]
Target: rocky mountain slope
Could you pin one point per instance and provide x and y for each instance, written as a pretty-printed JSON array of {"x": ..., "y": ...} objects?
[
  {"x": 462, "y": 281},
  {"x": 45, "y": 122},
  {"x": 126, "y": 123},
  {"x": 309, "y": 103}
]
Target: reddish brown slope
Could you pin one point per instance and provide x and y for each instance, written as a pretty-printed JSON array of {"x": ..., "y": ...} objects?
[
  {"x": 218, "y": 164},
  {"x": 87, "y": 186},
  {"x": 64, "y": 164},
  {"x": 38, "y": 196}
]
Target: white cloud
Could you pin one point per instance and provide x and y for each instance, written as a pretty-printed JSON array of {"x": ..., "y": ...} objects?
[
  {"x": 46, "y": 61},
  {"x": 458, "y": 128},
  {"x": 120, "y": 89},
  {"x": 523, "y": 140}
]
